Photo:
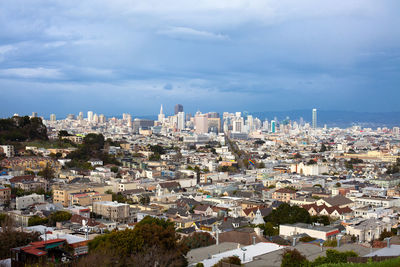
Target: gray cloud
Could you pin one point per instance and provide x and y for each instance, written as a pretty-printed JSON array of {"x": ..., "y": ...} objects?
[{"x": 237, "y": 53}]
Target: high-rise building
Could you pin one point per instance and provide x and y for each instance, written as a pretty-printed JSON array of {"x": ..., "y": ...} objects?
[
  {"x": 161, "y": 116},
  {"x": 102, "y": 118},
  {"x": 273, "y": 126},
  {"x": 178, "y": 108},
  {"x": 34, "y": 114},
  {"x": 314, "y": 118},
  {"x": 80, "y": 116},
  {"x": 95, "y": 118},
  {"x": 52, "y": 117},
  {"x": 181, "y": 120},
  {"x": 201, "y": 123},
  {"x": 90, "y": 116}
]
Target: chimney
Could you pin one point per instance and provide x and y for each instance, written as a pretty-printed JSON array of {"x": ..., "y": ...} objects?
[
  {"x": 388, "y": 241},
  {"x": 338, "y": 240},
  {"x": 254, "y": 240},
  {"x": 217, "y": 237},
  {"x": 294, "y": 241}
]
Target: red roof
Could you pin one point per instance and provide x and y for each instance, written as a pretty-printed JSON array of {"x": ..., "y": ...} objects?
[{"x": 34, "y": 251}]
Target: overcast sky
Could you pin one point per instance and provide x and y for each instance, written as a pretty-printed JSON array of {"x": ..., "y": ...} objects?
[{"x": 257, "y": 55}]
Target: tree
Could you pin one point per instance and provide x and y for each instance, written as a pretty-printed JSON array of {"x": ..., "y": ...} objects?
[
  {"x": 230, "y": 260},
  {"x": 114, "y": 169},
  {"x": 323, "y": 148},
  {"x": 293, "y": 258},
  {"x": 269, "y": 229},
  {"x": 338, "y": 184},
  {"x": 198, "y": 240},
  {"x": 144, "y": 200},
  {"x": 36, "y": 220},
  {"x": 153, "y": 241},
  {"x": 334, "y": 256},
  {"x": 47, "y": 173},
  {"x": 288, "y": 214},
  {"x": 323, "y": 219},
  {"x": 385, "y": 234},
  {"x": 11, "y": 238},
  {"x": 59, "y": 216},
  {"x": 63, "y": 133}
]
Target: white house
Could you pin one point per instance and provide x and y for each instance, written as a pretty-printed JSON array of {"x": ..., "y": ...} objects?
[{"x": 26, "y": 201}]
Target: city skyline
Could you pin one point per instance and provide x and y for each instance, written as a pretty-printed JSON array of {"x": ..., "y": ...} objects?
[{"x": 276, "y": 55}]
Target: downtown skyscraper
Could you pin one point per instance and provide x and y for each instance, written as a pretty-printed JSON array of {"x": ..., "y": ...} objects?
[{"x": 314, "y": 118}]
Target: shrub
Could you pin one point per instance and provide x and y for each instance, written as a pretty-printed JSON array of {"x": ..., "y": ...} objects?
[
  {"x": 307, "y": 239},
  {"x": 330, "y": 243},
  {"x": 293, "y": 258}
]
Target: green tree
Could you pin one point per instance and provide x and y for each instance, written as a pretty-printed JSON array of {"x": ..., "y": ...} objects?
[
  {"x": 151, "y": 239},
  {"x": 269, "y": 229},
  {"x": 36, "y": 220},
  {"x": 385, "y": 234},
  {"x": 59, "y": 216},
  {"x": 288, "y": 214},
  {"x": 10, "y": 238},
  {"x": 230, "y": 260},
  {"x": 293, "y": 258},
  {"x": 198, "y": 240},
  {"x": 144, "y": 200},
  {"x": 47, "y": 172}
]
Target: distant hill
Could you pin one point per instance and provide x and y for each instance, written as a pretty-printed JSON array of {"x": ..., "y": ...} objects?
[
  {"x": 337, "y": 118},
  {"x": 20, "y": 129}
]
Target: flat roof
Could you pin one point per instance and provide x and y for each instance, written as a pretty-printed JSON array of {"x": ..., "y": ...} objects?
[{"x": 246, "y": 254}]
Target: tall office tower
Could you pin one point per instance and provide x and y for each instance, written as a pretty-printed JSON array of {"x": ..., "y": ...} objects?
[
  {"x": 102, "y": 118},
  {"x": 250, "y": 122},
  {"x": 257, "y": 124},
  {"x": 52, "y": 117},
  {"x": 95, "y": 118},
  {"x": 188, "y": 116},
  {"x": 129, "y": 120},
  {"x": 238, "y": 124},
  {"x": 314, "y": 118},
  {"x": 80, "y": 116},
  {"x": 238, "y": 114},
  {"x": 178, "y": 108},
  {"x": 90, "y": 116},
  {"x": 201, "y": 123},
  {"x": 181, "y": 120},
  {"x": 396, "y": 130},
  {"x": 161, "y": 116},
  {"x": 34, "y": 114},
  {"x": 266, "y": 126},
  {"x": 273, "y": 126}
]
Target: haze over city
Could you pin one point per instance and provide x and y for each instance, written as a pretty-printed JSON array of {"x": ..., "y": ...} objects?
[{"x": 132, "y": 56}]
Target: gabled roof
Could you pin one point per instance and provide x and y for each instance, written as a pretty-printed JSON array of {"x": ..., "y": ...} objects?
[
  {"x": 201, "y": 207},
  {"x": 169, "y": 185},
  {"x": 338, "y": 200}
]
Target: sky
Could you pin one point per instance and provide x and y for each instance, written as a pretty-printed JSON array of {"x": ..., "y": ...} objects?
[{"x": 228, "y": 55}]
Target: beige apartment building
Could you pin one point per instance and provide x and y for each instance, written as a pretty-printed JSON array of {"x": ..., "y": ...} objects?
[
  {"x": 62, "y": 193},
  {"x": 5, "y": 195},
  {"x": 112, "y": 210},
  {"x": 87, "y": 198}
]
